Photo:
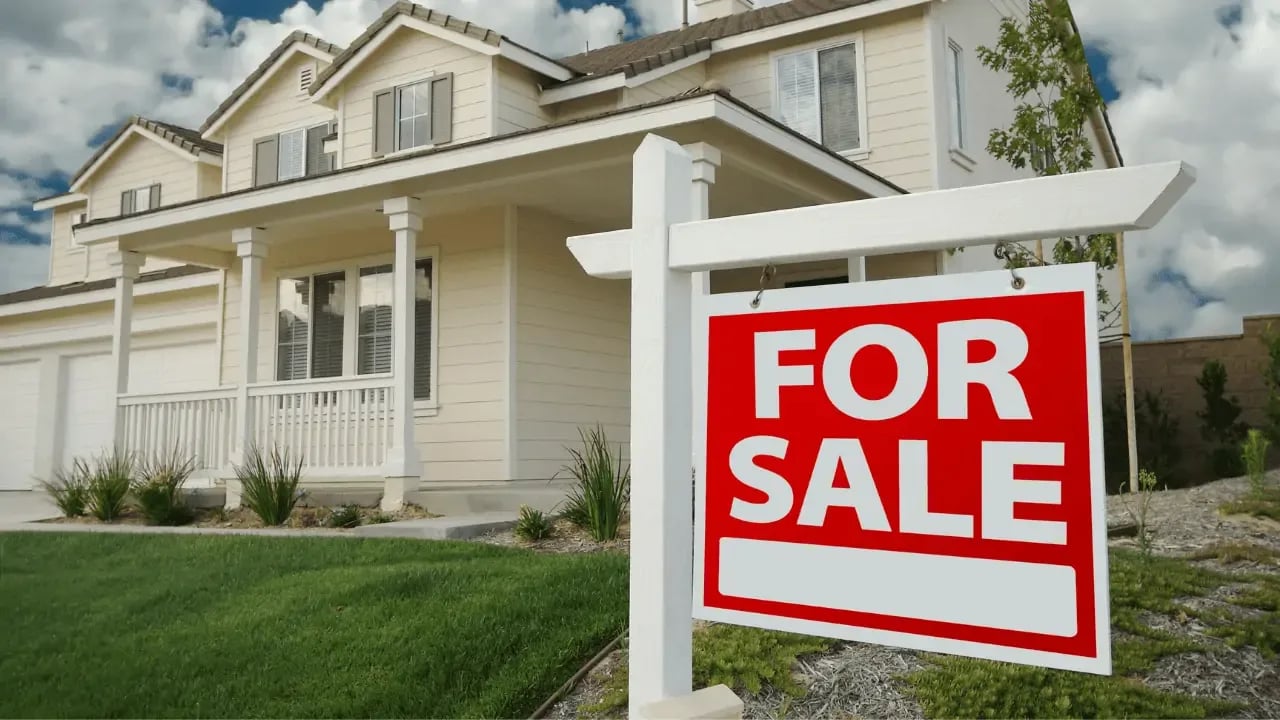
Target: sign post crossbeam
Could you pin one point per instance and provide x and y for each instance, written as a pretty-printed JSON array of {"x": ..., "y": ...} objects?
[
  {"x": 667, "y": 243},
  {"x": 1118, "y": 200}
]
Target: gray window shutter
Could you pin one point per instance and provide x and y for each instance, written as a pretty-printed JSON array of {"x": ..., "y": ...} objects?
[
  {"x": 126, "y": 202},
  {"x": 265, "y": 161},
  {"x": 384, "y": 122},
  {"x": 442, "y": 109},
  {"x": 315, "y": 149},
  {"x": 155, "y": 196}
]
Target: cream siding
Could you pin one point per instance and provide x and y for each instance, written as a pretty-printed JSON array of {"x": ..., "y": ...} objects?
[
  {"x": 67, "y": 262},
  {"x": 408, "y": 56},
  {"x": 897, "y": 80},
  {"x": 572, "y": 349},
  {"x": 95, "y": 321},
  {"x": 277, "y": 106},
  {"x": 465, "y": 440},
  {"x": 517, "y": 96},
  {"x": 666, "y": 86},
  {"x": 587, "y": 106},
  {"x": 209, "y": 180}
]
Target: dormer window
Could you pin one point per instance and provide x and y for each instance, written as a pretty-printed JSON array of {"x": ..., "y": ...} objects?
[
  {"x": 293, "y": 154},
  {"x": 140, "y": 199},
  {"x": 414, "y": 115}
]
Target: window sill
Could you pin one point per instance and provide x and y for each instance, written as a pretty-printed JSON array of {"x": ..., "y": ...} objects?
[
  {"x": 961, "y": 158},
  {"x": 406, "y": 151},
  {"x": 856, "y": 155},
  {"x": 425, "y": 409}
]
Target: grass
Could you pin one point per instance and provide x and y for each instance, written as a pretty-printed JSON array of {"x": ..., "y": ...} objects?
[
  {"x": 165, "y": 626},
  {"x": 1264, "y": 503},
  {"x": 1231, "y": 553}
]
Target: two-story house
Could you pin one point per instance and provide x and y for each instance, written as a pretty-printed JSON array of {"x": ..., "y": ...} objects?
[{"x": 361, "y": 254}]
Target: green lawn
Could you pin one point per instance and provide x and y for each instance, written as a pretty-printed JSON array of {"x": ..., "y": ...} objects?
[{"x": 162, "y": 626}]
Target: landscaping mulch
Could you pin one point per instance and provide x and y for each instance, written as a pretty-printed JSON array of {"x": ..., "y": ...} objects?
[
  {"x": 858, "y": 680},
  {"x": 303, "y": 518},
  {"x": 566, "y": 538}
]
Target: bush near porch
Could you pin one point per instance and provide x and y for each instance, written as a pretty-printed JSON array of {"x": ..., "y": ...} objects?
[{"x": 150, "y": 626}]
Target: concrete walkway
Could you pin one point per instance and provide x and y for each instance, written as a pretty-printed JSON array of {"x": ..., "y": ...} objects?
[{"x": 18, "y": 506}]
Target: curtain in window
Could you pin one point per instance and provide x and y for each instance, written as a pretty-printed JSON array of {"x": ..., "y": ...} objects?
[
  {"x": 374, "y": 344},
  {"x": 293, "y": 327},
  {"x": 838, "y": 70},
  {"x": 798, "y": 94},
  {"x": 328, "y": 313},
  {"x": 422, "y": 279}
]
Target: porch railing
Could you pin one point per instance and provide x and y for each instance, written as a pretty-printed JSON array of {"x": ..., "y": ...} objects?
[
  {"x": 338, "y": 425},
  {"x": 199, "y": 425}
]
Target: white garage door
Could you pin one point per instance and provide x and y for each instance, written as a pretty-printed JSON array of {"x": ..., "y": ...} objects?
[
  {"x": 19, "y": 394},
  {"x": 88, "y": 403}
]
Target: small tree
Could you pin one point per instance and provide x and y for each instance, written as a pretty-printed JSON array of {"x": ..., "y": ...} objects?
[
  {"x": 1271, "y": 374},
  {"x": 1055, "y": 95},
  {"x": 1220, "y": 421}
]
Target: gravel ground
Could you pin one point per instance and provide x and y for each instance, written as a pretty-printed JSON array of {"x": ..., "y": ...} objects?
[{"x": 856, "y": 680}]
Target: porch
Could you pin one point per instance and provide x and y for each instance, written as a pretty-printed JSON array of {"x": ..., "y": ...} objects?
[{"x": 433, "y": 331}]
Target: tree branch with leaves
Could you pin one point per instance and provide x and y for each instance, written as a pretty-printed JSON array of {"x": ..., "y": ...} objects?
[{"x": 1055, "y": 99}]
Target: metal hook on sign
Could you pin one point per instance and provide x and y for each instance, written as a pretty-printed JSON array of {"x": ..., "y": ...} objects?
[
  {"x": 766, "y": 274},
  {"x": 1006, "y": 251}
]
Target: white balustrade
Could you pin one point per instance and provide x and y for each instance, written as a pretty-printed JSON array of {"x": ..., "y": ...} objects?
[
  {"x": 195, "y": 425},
  {"x": 334, "y": 425}
]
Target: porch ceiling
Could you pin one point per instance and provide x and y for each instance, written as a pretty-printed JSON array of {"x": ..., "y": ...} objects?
[{"x": 589, "y": 183}]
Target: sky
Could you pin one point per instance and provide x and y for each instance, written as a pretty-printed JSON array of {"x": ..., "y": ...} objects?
[{"x": 1191, "y": 80}]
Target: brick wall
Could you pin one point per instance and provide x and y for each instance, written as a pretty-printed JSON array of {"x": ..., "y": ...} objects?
[{"x": 1172, "y": 366}]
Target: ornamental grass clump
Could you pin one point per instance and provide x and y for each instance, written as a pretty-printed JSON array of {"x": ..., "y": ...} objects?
[
  {"x": 602, "y": 486},
  {"x": 157, "y": 491},
  {"x": 109, "y": 485},
  {"x": 69, "y": 489},
  {"x": 269, "y": 484}
]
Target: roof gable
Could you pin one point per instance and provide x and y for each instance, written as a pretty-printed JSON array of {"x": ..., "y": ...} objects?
[
  {"x": 297, "y": 42},
  {"x": 175, "y": 138},
  {"x": 439, "y": 24}
]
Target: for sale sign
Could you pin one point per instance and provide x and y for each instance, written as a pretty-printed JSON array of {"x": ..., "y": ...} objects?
[{"x": 911, "y": 462}]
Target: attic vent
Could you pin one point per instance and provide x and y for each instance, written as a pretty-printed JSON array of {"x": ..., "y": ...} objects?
[{"x": 305, "y": 77}]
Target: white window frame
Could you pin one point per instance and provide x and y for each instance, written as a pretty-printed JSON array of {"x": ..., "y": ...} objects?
[
  {"x": 351, "y": 325},
  {"x": 957, "y": 100},
  {"x": 395, "y": 112},
  {"x": 864, "y": 144},
  {"x": 280, "y": 147},
  {"x": 143, "y": 192}
]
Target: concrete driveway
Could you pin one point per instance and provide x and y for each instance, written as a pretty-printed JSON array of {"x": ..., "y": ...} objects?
[{"x": 20, "y": 507}]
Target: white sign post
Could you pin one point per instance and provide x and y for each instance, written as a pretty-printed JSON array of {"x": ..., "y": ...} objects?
[{"x": 664, "y": 246}]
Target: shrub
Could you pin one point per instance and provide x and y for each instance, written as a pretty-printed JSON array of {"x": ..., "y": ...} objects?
[
  {"x": 1220, "y": 421},
  {"x": 1253, "y": 456},
  {"x": 158, "y": 489},
  {"x": 270, "y": 484},
  {"x": 602, "y": 486},
  {"x": 1158, "y": 447},
  {"x": 343, "y": 516},
  {"x": 533, "y": 525},
  {"x": 70, "y": 488},
  {"x": 109, "y": 485}
]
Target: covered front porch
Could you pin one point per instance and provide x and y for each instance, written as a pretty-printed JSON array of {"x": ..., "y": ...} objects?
[{"x": 427, "y": 327}]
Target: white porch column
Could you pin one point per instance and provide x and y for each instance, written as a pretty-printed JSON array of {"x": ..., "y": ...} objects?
[
  {"x": 251, "y": 247},
  {"x": 706, "y": 158},
  {"x": 403, "y": 468},
  {"x": 124, "y": 268}
]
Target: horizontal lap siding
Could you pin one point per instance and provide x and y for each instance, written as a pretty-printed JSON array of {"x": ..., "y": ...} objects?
[
  {"x": 98, "y": 317},
  {"x": 897, "y": 88},
  {"x": 277, "y": 107},
  {"x": 465, "y": 441},
  {"x": 588, "y": 106},
  {"x": 572, "y": 349},
  {"x": 408, "y": 56},
  {"x": 517, "y": 96},
  {"x": 66, "y": 261}
]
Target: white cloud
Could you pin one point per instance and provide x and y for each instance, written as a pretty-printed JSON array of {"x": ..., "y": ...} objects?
[
  {"x": 22, "y": 265},
  {"x": 1194, "y": 90}
]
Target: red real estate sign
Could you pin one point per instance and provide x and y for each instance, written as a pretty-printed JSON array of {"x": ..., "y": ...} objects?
[{"x": 911, "y": 462}]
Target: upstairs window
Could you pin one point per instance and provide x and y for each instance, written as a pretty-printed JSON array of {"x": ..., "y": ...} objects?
[
  {"x": 140, "y": 199},
  {"x": 293, "y": 154},
  {"x": 819, "y": 94},
  {"x": 413, "y": 115}
]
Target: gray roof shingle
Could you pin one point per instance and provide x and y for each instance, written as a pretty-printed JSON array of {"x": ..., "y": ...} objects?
[{"x": 185, "y": 138}]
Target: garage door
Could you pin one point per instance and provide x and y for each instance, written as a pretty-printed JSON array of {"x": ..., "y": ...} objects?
[
  {"x": 88, "y": 404},
  {"x": 19, "y": 394}
]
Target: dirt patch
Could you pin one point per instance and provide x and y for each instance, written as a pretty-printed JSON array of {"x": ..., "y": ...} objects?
[
  {"x": 566, "y": 538},
  {"x": 303, "y": 518}
]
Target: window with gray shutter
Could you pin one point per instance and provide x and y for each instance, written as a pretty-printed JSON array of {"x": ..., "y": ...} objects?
[
  {"x": 265, "y": 159},
  {"x": 317, "y": 161},
  {"x": 442, "y": 109},
  {"x": 126, "y": 202},
  {"x": 154, "y": 192},
  {"x": 384, "y": 122}
]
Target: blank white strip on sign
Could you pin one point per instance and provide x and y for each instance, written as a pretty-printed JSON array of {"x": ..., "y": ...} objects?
[{"x": 1001, "y": 594}]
